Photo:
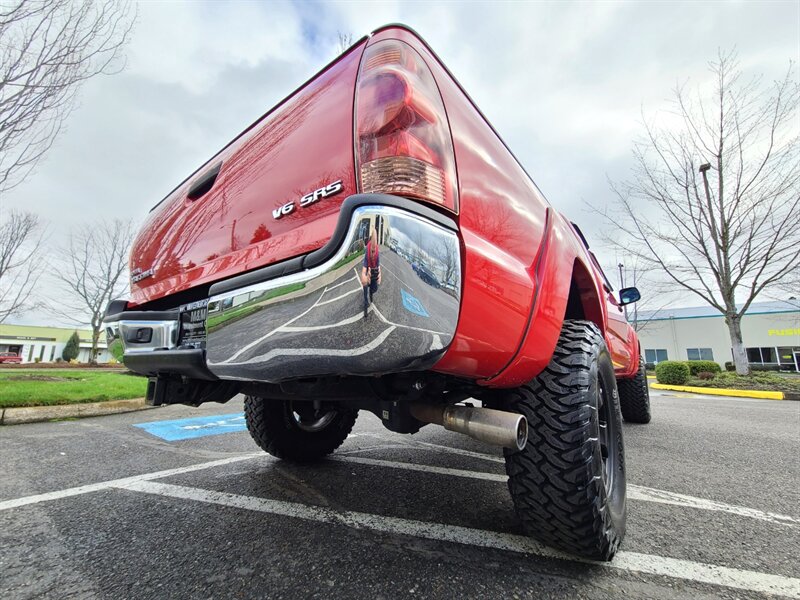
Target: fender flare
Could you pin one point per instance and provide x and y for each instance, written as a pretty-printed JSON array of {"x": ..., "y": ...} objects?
[{"x": 561, "y": 253}]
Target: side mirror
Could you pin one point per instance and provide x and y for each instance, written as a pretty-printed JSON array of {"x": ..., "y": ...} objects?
[{"x": 629, "y": 296}]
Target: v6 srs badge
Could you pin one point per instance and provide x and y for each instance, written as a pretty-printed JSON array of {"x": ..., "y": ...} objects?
[{"x": 329, "y": 190}]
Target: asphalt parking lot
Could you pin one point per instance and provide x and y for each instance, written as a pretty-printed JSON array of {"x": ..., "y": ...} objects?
[{"x": 105, "y": 508}]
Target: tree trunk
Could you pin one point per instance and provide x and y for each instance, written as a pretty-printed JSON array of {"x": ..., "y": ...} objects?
[
  {"x": 95, "y": 342},
  {"x": 734, "y": 323}
]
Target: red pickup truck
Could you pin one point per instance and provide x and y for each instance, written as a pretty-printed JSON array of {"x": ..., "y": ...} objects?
[
  {"x": 370, "y": 243},
  {"x": 10, "y": 358}
]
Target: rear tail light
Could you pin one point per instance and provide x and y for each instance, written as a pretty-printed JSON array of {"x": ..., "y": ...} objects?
[{"x": 403, "y": 138}]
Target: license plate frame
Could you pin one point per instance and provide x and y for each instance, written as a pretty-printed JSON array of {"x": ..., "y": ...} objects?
[{"x": 193, "y": 324}]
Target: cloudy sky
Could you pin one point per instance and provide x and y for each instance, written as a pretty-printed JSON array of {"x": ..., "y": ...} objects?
[{"x": 563, "y": 83}]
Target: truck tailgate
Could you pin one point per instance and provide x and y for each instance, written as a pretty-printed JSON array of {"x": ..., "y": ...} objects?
[{"x": 302, "y": 145}]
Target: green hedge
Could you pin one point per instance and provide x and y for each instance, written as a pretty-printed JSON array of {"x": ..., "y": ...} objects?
[
  {"x": 672, "y": 372},
  {"x": 698, "y": 366}
]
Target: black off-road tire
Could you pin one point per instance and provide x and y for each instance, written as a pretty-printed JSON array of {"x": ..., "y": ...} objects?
[
  {"x": 275, "y": 428},
  {"x": 565, "y": 492},
  {"x": 634, "y": 397}
]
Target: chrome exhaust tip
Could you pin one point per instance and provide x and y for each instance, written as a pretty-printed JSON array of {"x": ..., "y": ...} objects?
[{"x": 496, "y": 427}]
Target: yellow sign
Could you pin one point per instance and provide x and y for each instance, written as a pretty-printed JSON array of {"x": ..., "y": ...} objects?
[{"x": 790, "y": 331}]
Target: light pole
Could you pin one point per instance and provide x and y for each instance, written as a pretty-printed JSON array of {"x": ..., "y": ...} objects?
[
  {"x": 233, "y": 228},
  {"x": 703, "y": 170},
  {"x": 622, "y": 285}
]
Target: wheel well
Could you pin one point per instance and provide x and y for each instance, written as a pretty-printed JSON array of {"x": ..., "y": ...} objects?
[{"x": 583, "y": 302}]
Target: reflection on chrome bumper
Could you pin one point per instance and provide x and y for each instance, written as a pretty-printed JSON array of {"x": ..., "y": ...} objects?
[
  {"x": 144, "y": 336},
  {"x": 313, "y": 322}
]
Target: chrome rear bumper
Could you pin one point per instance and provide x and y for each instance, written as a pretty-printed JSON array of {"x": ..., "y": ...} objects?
[{"x": 312, "y": 322}]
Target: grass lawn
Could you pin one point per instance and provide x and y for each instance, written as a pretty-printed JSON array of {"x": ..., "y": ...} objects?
[{"x": 45, "y": 387}]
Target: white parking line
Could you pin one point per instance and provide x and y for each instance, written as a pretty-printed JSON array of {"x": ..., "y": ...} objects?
[
  {"x": 104, "y": 485},
  {"x": 461, "y": 451},
  {"x": 338, "y": 297},
  {"x": 635, "y": 492},
  {"x": 412, "y": 443},
  {"x": 347, "y": 321},
  {"x": 403, "y": 283},
  {"x": 436, "y": 343},
  {"x": 333, "y": 287},
  {"x": 276, "y": 352},
  {"x": 374, "y": 462},
  {"x": 266, "y": 335},
  {"x": 624, "y": 561},
  {"x": 388, "y": 322}
]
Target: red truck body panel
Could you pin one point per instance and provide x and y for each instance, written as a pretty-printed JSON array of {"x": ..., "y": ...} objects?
[
  {"x": 501, "y": 219},
  {"x": 306, "y": 142}
]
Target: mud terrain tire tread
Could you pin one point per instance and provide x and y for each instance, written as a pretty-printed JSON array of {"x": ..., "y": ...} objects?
[
  {"x": 556, "y": 482},
  {"x": 275, "y": 431},
  {"x": 634, "y": 397}
]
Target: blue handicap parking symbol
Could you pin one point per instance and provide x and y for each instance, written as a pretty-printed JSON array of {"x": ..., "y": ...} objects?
[
  {"x": 412, "y": 304},
  {"x": 185, "y": 429}
]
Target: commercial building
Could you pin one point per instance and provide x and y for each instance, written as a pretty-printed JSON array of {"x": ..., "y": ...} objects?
[
  {"x": 770, "y": 330},
  {"x": 45, "y": 344}
]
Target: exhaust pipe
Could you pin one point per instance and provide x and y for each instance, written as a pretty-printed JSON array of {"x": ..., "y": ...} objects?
[{"x": 496, "y": 427}]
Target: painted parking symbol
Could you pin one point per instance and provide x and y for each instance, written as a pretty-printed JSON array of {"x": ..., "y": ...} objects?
[
  {"x": 412, "y": 304},
  {"x": 186, "y": 429}
]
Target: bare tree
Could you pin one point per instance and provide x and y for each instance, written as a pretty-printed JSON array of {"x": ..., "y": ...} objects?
[
  {"x": 715, "y": 193},
  {"x": 345, "y": 41},
  {"x": 92, "y": 273},
  {"x": 48, "y": 48},
  {"x": 788, "y": 290},
  {"x": 449, "y": 257},
  {"x": 20, "y": 263}
]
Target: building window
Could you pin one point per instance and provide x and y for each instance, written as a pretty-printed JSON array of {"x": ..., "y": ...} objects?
[
  {"x": 700, "y": 354},
  {"x": 655, "y": 355},
  {"x": 762, "y": 356},
  {"x": 52, "y": 353}
]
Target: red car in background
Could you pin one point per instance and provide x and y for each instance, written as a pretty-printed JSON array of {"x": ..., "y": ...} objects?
[
  {"x": 10, "y": 358},
  {"x": 245, "y": 279}
]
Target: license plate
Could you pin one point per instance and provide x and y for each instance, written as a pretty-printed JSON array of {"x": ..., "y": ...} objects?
[{"x": 193, "y": 324}]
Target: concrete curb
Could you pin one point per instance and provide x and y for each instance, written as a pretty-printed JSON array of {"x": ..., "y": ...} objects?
[
  {"x": 720, "y": 391},
  {"x": 36, "y": 414}
]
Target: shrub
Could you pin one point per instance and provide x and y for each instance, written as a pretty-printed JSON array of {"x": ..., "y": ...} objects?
[
  {"x": 758, "y": 380},
  {"x": 765, "y": 368},
  {"x": 72, "y": 348},
  {"x": 706, "y": 375},
  {"x": 697, "y": 366},
  {"x": 672, "y": 372},
  {"x": 729, "y": 366},
  {"x": 116, "y": 350}
]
